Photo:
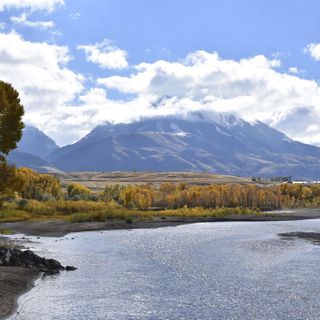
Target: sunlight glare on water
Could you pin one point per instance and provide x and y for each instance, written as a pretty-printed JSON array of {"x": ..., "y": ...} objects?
[{"x": 238, "y": 270}]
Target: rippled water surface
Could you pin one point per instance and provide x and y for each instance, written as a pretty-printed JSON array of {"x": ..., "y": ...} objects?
[{"x": 237, "y": 270}]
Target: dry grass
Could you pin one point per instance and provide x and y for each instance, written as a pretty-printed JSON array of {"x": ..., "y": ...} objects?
[
  {"x": 96, "y": 181},
  {"x": 129, "y": 215},
  {"x": 86, "y": 211}
]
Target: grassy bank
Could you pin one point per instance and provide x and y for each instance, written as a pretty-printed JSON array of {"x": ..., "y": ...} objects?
[{"x": 87, "y": 211}]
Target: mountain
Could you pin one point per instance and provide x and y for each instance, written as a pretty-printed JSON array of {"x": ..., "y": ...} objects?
[
  {"x": 35, "y": 142},
  {"x": 224, "y": 144},
  {"x": 23, "y": 159},
  {"x": 32, "y": 150}
]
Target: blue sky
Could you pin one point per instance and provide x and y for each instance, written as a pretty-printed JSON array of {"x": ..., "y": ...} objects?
[
  {"x": 170, "y": 29},
  {"x": 285, "y": 33}
]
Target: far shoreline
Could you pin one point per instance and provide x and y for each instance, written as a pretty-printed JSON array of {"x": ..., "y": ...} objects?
[{"x": 60, "y": 228}]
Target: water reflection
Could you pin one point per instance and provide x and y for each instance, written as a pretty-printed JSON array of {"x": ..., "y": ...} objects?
[
  {"x": 313, "y": 237},
  {"x": 241, "y": 271}
]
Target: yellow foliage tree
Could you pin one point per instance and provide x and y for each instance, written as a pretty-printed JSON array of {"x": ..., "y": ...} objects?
[
  {"x": 78, "y": 190},
  {"x": 33, "y": 185}
]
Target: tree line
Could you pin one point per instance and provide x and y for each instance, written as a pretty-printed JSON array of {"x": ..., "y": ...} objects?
[
  {"x": 171, "y": 196},
  {"x": 29, "y": 185}
]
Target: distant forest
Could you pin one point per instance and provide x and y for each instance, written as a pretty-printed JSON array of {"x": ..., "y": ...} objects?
[{"x": 27, "y": 184}]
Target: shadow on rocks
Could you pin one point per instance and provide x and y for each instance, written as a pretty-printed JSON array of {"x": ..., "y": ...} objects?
[{"x": 28, "y": 259}]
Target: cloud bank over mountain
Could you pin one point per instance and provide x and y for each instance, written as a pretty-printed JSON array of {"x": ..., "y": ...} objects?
[
  {"x": 251, "y": 87},
  {"x": 66, "y": 103}
]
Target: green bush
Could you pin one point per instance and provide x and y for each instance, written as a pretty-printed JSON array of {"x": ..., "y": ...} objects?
[
  {"x": 77, "y": 191},
  {"x": 128, "y": 220}
]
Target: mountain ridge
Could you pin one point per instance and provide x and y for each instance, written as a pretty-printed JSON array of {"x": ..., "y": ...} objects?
[
  {"x": 35, "y": 142},
  {"x": 33, "y": 149},
  {"x": 226, "y": 145}
]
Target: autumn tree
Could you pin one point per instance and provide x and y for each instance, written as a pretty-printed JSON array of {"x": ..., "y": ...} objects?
[
  {"x": 78, "y": 191},
  {"x": 112, "y": 193},
  {"x": 9, "y": 181},
  {"x": 34, "y": 185},
  {"x": 175, "y": 196}
]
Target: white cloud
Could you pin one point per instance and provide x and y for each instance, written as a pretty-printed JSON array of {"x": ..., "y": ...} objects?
[
  {"x": 56, "y": 33},
  {"x": 313, "y": 49},
  {"x": 2, "y": 25},
  {"x": 106, "y": 55},
  {"x": 39, "y": 72},
  {"x": 48, "y": 5},
  {"x": 75, "y": 16},
  {"x": 22, "y": 20},
  {"x": 251, "y": 87},
  {"x": 293, "y": 70}
]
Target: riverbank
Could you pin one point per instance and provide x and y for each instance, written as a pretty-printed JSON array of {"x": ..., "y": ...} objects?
[
  {"x": 18, "y": 271},
  {"x": 60, "y": 228},
  {"x": 187, "y": 271},
  {"x": 16, "y": 281},
  {"x": 13, "y": 283}
]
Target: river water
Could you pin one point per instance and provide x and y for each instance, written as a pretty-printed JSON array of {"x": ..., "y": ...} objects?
[{"x": 229, "y": 270}]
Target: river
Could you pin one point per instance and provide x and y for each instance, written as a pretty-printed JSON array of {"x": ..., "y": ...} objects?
[{"x": 227, "y": 270}]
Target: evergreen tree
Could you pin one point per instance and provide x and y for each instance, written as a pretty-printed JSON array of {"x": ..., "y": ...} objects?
[{"x": 11, "y": 125}]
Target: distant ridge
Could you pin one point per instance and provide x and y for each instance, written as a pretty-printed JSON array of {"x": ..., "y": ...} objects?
[
  {"x": 23, "y": 159},
  {"x": 36, "y": 142},
  {"x": 224, "y": 144},
  {"x": 32, "y": 150}
]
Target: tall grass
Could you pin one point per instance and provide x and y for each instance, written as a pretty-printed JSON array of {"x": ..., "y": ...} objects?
[
  {"x": 127, "y": 214},
  {"x": 14, "y": 215},
  {"x": 86, "y": 211}
]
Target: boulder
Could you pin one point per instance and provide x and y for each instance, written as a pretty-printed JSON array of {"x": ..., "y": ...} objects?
[
  {"x": 28, "y": 259},
  {"x": 70, "y": 268}
]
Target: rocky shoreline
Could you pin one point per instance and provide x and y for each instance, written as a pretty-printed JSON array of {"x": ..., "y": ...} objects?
[
  {"x": 14, "y": 282},
  {"x": 18, "y": 271},
  {"x": 27, "y": 259}
]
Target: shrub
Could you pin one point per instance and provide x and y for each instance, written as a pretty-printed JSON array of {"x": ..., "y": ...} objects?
[
  {"x": 68, "y": 207},
  {"x": 39, "y": 208},
  {"x": 129, "y": 220},
  {"x": 93, "y": 197},
  {"x": 47, "y": 197},
  {"x": 112, "y": 193},
  {"x": 22, "y": 203},
  {"x": 78, "y": 190}
]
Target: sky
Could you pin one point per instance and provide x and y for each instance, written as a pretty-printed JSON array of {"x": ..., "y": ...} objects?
[{"x": 81, "y": 63}]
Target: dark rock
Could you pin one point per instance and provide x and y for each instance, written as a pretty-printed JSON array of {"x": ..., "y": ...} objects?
[
  {"x": 28, "y": 259},
  {"x": 71, "y": 268},
  {"x": 54, "y": 264}
]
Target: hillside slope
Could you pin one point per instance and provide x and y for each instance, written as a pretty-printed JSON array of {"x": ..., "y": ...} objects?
[
  {"x": 35, "y": 142},
  {"x": 226, "y": 145}
]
